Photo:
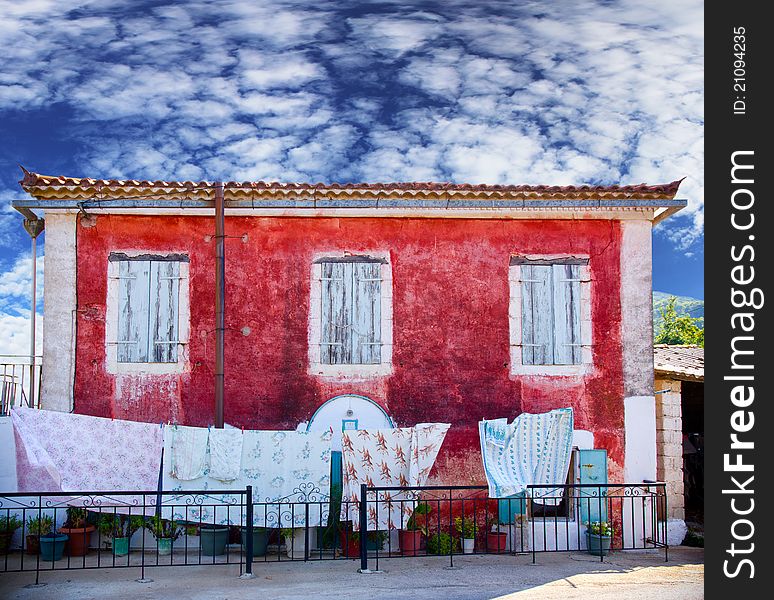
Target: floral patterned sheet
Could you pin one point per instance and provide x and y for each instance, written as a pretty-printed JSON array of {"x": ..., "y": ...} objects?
[
  {"x": 58, "y": 451},
  {"x": 288, "y": 470},
  {"x": 533, "y": 450},
  {"x": 387, "y": 458}
]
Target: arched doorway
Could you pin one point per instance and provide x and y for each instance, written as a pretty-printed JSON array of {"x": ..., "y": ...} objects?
[{"x": 341, "y": 413}]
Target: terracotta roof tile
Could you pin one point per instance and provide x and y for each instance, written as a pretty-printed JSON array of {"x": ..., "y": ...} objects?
[
  {"x": 61, "y": 187},
  {"x": 683, "y": 362}
]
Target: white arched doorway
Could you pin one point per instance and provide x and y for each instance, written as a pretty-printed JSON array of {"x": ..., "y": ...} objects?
[
  {"x": 348, "y": 411},
  {"x": 341, "y": 413}
]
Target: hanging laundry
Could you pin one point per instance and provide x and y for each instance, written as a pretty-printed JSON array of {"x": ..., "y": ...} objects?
[
  {"x": 533, "y": 450},
  {"x": 225, "y": 453},
  {"x": 187, "y": 451},
  {"x": 79, "y": 453},
  {"x": 387, "y": 457},
  {"x": 285, "y": 468}
]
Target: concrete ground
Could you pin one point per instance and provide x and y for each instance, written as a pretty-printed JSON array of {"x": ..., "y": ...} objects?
[{"x": 563, "y": 575}]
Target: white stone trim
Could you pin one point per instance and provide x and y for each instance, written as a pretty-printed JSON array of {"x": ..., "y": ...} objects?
[
  {"x": 514, "y": 320},
  {"x": 640, "y": 438},
  {"x": 59, "y": 310},
  {"x": 111, "y": 323},
  {"x": 570, "y": 213},
  {"x": 350, "y": 372}
]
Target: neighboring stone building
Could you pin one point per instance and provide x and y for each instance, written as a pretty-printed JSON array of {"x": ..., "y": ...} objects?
[{"x": 679, "y": 387}]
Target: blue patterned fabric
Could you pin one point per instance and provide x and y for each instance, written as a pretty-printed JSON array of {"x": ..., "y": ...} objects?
[{"x": 533, "y": 450}]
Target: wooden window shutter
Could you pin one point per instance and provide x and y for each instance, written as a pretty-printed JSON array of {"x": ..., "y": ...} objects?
[
  {"x": 351, "y": 313},
  {"x": 164, "y": 299},
  {"x": 336, "y": 337},
  {"x": 537, "y": 315},
  {"x": 133, "y": 310},
  {"x": 566, "y": 301},
  {"x": 366, "y": 314}
]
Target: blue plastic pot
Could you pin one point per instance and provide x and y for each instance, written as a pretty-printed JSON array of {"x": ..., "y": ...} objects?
[
  {"x": 598, "y": 545},
  {"x": 52, "y": 546},
  {"x": 260, "y": 540}
]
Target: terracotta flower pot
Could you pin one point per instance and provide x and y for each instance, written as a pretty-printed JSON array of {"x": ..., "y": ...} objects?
[
  {"x": 33, "y": 544},
  {"x": 78, "y": 539},
  {"x": 410, "y": 541},
  {"x": 350, "y": 544},
  {"x": 496, "y": 541}
]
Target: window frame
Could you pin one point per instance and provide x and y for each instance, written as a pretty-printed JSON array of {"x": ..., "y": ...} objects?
[
  {"x": 515, "y": 316},
  {"x": 315, "y": 334},
  {"x": 112, "y": 317}
]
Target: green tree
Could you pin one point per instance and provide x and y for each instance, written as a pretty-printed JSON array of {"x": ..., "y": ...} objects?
[{"x": 678, "y": 329}]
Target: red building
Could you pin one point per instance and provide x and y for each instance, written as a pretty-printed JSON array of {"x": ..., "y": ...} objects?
[{"x": 426, "y": 302}]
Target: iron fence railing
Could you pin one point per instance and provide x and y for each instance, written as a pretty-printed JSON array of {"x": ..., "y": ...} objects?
[
  {"x": 144, "y": 529},
  {"x": 543, "y": 519},
  {"x": 16, "y": 372}
]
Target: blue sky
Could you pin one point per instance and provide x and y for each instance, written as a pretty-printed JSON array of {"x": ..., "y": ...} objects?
[{"x": 480, "y": 92}]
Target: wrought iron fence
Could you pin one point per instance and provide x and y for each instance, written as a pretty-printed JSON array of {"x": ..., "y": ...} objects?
[
  {"x": 142, "y": 529},
  {"x": 455, "y": 520},
  {"x": 16, "y": 372}
]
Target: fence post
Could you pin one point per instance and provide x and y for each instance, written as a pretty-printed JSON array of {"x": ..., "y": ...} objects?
[
  {"x": 363, "y": 528},
  {"x": 249, "y": 534}
]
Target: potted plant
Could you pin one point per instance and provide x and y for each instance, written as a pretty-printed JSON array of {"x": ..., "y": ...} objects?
[
  {"x": 165, "y": 532},
  {"x": 37, "y": 526},
  {"x": 77, "y": 530},
  {"x": 599, "y": 534},
  {"x": 496, "y": 540},
  {"x": 260, "y": 540},
  {"x": 439, "y": 543},
  {"x": 350, "y": 541},
  {"x": 411, "y": 536},
  {"x": 213, "y": 539},
  {"x": 466, "y": 529},
  {"x": 8, "y": 526},
  {"x": 119, "y": 528}
]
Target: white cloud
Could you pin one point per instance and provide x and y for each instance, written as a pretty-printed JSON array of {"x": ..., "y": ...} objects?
[
  {"x": 15, "y": 289},
  {"x": 555, "y": 93}
]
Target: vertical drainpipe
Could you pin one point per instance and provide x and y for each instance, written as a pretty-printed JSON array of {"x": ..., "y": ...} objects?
[
  {"x": 34, "y": 228},
  {"x": 220, "y": 301}
]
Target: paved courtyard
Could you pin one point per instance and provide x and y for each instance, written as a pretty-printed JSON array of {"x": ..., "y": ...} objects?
[{"x": 574, "y": 575}]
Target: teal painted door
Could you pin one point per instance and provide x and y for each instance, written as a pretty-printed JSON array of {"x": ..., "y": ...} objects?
[
  {"x": 336, "y": 481},
  {"x": 593, "y": 470}
]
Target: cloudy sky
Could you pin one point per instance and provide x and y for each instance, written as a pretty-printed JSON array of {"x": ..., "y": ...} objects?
[{"x": 562, "y": 92}]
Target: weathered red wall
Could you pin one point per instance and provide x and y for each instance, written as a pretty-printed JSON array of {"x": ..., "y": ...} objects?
[{"x": 450, "y": 308}]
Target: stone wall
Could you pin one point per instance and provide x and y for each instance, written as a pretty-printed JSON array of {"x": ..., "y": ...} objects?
[{"x": 669, "y": 444}]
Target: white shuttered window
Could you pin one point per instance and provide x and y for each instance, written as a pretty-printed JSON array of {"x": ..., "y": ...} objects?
[
  {"x": 551, "y": 314},
  {"x": 148, "y": 311},
  {"x": 351, "y": 319}
]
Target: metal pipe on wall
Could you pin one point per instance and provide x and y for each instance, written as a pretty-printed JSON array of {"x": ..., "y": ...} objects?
[
  {"x": 34, "y": 228},
  {"x": 220, "y": 301}
]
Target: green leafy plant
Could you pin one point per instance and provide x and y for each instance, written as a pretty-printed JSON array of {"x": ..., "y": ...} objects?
[
  {"x": 423, "y": 509},
  {"x": 286, "y": 532},
  {"x": 117, "y": 525},
  {"x": 603, "y": 528},
  {"x": 439, "y": 543},
  {"x": 191, "y": 530},
  {"x": 163, "y": 528},
  {"x": 76, "y": 518},
  {"x": 466, "y": 528},
  {"x": 676, "y": 329},
  {"x": 9, "y": 524},
  {"x": 40, "y": 525}
]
